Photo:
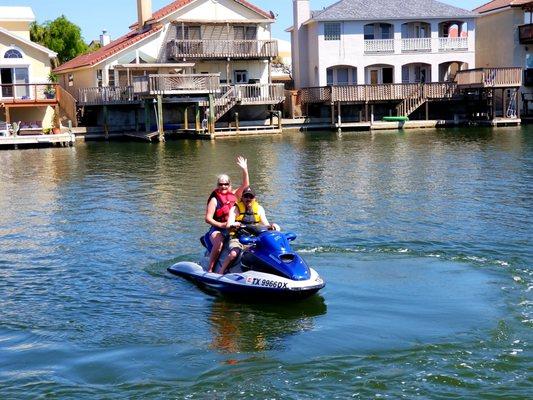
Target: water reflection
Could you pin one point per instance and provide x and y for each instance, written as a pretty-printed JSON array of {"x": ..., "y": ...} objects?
[{"x": 238, "y": 327}]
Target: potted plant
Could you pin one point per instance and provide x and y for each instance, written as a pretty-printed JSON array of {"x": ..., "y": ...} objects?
[{"x": 50, "y": 90}]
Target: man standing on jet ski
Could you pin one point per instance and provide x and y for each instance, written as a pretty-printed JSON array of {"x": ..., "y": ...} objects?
[
  {"x": 245, "y": 212},
  {"x": 219, "y": 204}
]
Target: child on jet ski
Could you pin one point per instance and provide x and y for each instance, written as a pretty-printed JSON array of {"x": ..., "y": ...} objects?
[
  {"x": 246, "y": 212},
  {"x": 219, "y": 204}
]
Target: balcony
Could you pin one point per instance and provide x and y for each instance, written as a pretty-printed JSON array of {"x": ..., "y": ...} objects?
[
  {"x": 489, "y": 78},
  {"x": 525, "y": 34},
  {"x": 221, "y": 49},
  {"x": 453, "y": 44},
  {"x": 416, "y": 44},
  {"x": 176, "y": 84},
  {"x": 29, "y": 94},
  {"x": 407, "y": 45},
  {"x": 379, "y": 46},
  {"x": 106, "y": 95}
]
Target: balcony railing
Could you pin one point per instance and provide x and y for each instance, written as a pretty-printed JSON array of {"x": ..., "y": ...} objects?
[
  {"x": 106, "y": 95},
  {"x": 212, "y": 49},
  {"x": 525, "y": 34},
  {"x": 384, "y": 92},
  {"x": 28, "y": 93},
  {"x": 453, "y": 44},
  {"x": 387, "y": 46},
  {"x": 260, "y": 93},
  {"x": 490, "y": 77},
  {"x": 176, "y": 84},
  {"x": 379, "y": 46},
  {"x": 416, "y": 44}
]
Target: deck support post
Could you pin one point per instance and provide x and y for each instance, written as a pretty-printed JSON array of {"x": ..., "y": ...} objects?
[
  {"x": 211, "y": 116},
  {"x": 8, "y": 116},
  {"x": 427, "y": 110},
  {"x": 332, "y": 114},
  {"x": 271, "y": 111},
  {"x": 106, "y": 127},
  {"x": 136, "y": 116},
  {"x": 339, "y": 115},
  {"x": 237, "y": 122},
  {"x": 371, "y": 114},
  {"x": 160, "y": 122},
  {"x": 518, "y": 105},
  {"x": 197, "y": 119},
  {"x": 147, "y": 115},
  {"x": 186, "y": 118},
  {"x": 280, "y": 120},
  {"x": 366, "y": 111},
  {"x": 493, "y": 110}
]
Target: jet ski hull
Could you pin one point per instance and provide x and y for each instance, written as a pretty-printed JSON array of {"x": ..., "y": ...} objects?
[{"x": 250, "y": 284}]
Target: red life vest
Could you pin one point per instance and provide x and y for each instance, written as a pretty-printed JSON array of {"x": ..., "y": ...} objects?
[{"x": 224, "y": 204}]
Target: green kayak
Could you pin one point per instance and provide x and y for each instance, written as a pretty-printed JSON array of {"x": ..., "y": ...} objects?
[{"x": 396, "y": 119}]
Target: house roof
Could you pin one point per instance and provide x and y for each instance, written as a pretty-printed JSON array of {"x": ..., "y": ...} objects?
[
  {"x": 37, "y": 46},
  {"x": 177, "y": 4},
  {"x": 497, "y": 4},
  {"x": 344, "y": 10},
  {"x": 123, "y": 42},
  {"x": 16, "y": 14}
]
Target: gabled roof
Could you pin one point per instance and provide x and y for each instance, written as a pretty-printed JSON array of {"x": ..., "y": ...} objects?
[
  {"x": 498, "y": 4},
  {"x": 345, "y": 10},
  {"x": 123, "y": 42},
  {"x": 16, "y": 14},
  {"x": 177, "y": 4},
  {"x": 37, "y": 46}
]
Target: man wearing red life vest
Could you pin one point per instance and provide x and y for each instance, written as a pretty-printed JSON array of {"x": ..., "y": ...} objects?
[{"x": 219, "y": 204}]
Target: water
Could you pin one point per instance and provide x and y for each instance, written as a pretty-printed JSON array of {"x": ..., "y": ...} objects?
[{"x": 424, "y": 239}]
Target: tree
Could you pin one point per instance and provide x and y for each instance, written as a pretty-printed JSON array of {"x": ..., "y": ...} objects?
[{"x": 61, "y": 36}]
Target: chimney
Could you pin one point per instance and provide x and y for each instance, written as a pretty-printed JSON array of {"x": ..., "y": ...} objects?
[
  {"x": 105, "y": 39},
  {"x": 301, "y": 13},
  {"x": 144, "y": 11}
]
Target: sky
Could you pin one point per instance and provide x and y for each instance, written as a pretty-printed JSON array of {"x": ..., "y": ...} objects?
[{"x": 117, "y": 15}]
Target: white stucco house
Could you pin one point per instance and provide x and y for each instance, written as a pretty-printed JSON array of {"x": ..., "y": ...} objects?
[{"x": 380, "y": 41}]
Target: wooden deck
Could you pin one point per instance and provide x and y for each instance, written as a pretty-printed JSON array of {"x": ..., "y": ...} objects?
[
  {"x": 63, "y": 139},
  {"x": 29, "y": 94},
  {"x": 490, "y": 78}
]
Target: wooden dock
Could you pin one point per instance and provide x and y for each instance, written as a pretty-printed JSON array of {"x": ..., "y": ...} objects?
[{"x": 61, "y": 139}]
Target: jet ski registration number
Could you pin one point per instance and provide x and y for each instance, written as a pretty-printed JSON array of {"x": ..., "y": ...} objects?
[{"x": 267, "y": 283}]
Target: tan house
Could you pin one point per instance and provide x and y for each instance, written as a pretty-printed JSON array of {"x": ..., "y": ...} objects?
[
  {"x": 505, "y": 38},
  {"x": 26, "y": 97},
  {"x": 227, "y": 38}
]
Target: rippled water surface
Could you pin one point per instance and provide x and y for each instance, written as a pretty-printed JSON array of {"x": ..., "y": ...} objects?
[{"x": 424, "y": 239}]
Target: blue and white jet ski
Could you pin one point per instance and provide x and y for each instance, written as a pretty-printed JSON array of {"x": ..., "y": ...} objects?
[{"x": 267, "y": 268}]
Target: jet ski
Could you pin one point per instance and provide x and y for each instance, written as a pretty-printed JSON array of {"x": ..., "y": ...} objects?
[{"x": 268, "y": 267}]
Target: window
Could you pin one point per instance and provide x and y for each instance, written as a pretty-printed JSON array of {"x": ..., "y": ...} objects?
[
  {"x": 528, "y": 17},
  {"x": 111, "y": 78},
  {"x": 386, "y": 32},
  {"x": 369, "y": 32},
  {"x": 13, "y": 53},
  {"x": 241, "y": 76},
  {"x": 342, "y": 76},
  {"x": 329, "y": 76},
  {"x": 71, "y": 79},
  {"x": 332, "y": 31},
  {"x": 99, "y": 77}
]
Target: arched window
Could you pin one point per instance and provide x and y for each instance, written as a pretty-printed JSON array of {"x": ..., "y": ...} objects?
[{"x": 13, "y": 53}]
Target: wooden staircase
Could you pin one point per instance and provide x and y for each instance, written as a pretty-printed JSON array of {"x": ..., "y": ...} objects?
[
  {"x": 67, "y": 107},
  {"x": 225, "y": 103},
  {"x": 410, "y": 104}
]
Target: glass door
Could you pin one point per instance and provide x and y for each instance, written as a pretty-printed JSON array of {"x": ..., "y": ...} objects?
[
  {"x": 22, "y": 80},
  {"x": 6, "y": 79}
]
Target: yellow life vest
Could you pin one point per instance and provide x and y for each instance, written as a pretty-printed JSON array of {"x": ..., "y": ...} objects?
[{"x": 248, "y": 216}]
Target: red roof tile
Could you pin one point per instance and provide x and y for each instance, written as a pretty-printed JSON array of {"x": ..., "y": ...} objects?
[
  {"x": 497, "y": 4},
  {"x": 112, "y": 48}
]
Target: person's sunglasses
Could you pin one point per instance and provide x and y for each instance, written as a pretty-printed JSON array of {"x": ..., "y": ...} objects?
[{"x": 223, "y": 183}]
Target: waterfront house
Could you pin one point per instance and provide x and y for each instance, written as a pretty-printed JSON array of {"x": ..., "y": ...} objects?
[
  {"x": 380, "y": 41},
  {"x": 26, "y": 95},
  {"x": 189, "y": 48},
  {"x": 505, "y": 39}
]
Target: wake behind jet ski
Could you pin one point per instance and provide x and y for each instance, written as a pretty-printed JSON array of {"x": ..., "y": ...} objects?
[{"x": 268, "y": 267}]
